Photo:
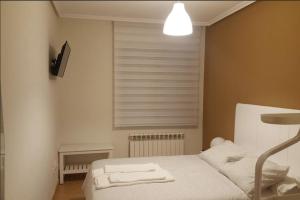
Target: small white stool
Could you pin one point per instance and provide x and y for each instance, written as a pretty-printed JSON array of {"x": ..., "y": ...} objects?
[{"x": 79, "y": 149}]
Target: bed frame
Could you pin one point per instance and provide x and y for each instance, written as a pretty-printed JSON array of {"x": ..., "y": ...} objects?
[{"x": 258, "y": 137}]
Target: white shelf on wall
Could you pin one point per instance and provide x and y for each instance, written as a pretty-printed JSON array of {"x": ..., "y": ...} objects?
[
  {"x": 79, "y": 149},
  {"x": 76, "y": 168}
]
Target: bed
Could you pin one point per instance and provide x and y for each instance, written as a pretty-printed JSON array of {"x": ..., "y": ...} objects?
[{"x": 195, "y": 178}]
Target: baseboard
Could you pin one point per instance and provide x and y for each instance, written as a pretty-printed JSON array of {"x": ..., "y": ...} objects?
[{"x": 54, "y": 189}]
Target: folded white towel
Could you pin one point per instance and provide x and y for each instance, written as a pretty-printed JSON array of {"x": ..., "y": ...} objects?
[
  {"x": 102, "y": 181},
  {"x": 97, "y": 172},
  {"x": 130, "y": 168},
  {"x": 137, "y": 176}
]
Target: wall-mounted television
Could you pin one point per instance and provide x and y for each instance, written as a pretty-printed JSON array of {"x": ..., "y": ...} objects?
[{"x": 58, "y": 65}]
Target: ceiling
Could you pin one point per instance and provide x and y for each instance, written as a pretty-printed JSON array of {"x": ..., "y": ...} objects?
[{"x": 203, "y": 13}]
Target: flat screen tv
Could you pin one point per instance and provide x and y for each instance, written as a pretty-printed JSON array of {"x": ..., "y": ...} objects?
[{"x": 59, "y": 65}]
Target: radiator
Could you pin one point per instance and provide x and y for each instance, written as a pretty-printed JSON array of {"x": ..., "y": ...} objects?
[{"x": 162, "y": 144}]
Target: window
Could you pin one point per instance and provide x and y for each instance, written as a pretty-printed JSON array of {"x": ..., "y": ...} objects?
[{"x": 156, "y": 77}]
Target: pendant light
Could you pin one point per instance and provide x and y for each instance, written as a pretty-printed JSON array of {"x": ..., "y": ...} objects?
[{"x": 178, "y": 23}]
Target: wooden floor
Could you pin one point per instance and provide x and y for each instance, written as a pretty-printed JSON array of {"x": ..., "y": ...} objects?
[{"x": 70, "y": 190}]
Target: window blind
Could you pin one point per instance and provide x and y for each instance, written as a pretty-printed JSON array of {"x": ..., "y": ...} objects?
[{"x": 156, "y": 77}]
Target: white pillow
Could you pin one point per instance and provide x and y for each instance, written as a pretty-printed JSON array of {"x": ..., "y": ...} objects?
[
  {"x": 217, "y": 156},
  {"x": 242, "y": 173},
  {"x": 288, "y": 186},
  {"x": 217, "y": 141}
]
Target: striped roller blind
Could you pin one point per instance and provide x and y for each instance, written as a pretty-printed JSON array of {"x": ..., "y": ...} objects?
[{"x": 156, "y": 77}]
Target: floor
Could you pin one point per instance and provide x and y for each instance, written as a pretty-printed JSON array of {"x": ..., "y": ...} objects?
[{"x": 70, "y": 190}]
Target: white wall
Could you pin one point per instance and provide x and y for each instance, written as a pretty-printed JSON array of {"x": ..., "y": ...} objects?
[
  {"x": 86, "y": 103},
  {"x": 28, "y": 30}
]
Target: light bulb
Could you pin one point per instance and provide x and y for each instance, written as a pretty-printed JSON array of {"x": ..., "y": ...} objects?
[{"x": 178, "y": 23}]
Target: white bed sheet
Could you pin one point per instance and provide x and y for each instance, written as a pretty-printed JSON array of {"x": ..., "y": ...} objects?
[{"x": 195, "y": 180}]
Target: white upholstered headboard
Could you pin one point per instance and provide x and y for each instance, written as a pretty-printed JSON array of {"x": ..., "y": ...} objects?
[{"x": 257, "y": 137}]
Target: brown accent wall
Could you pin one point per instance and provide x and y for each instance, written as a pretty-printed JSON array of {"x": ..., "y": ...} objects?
[{"x": 252, "y": 56}]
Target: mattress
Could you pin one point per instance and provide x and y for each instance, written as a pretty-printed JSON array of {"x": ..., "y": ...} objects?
[{"x": 195, "y": 180}]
